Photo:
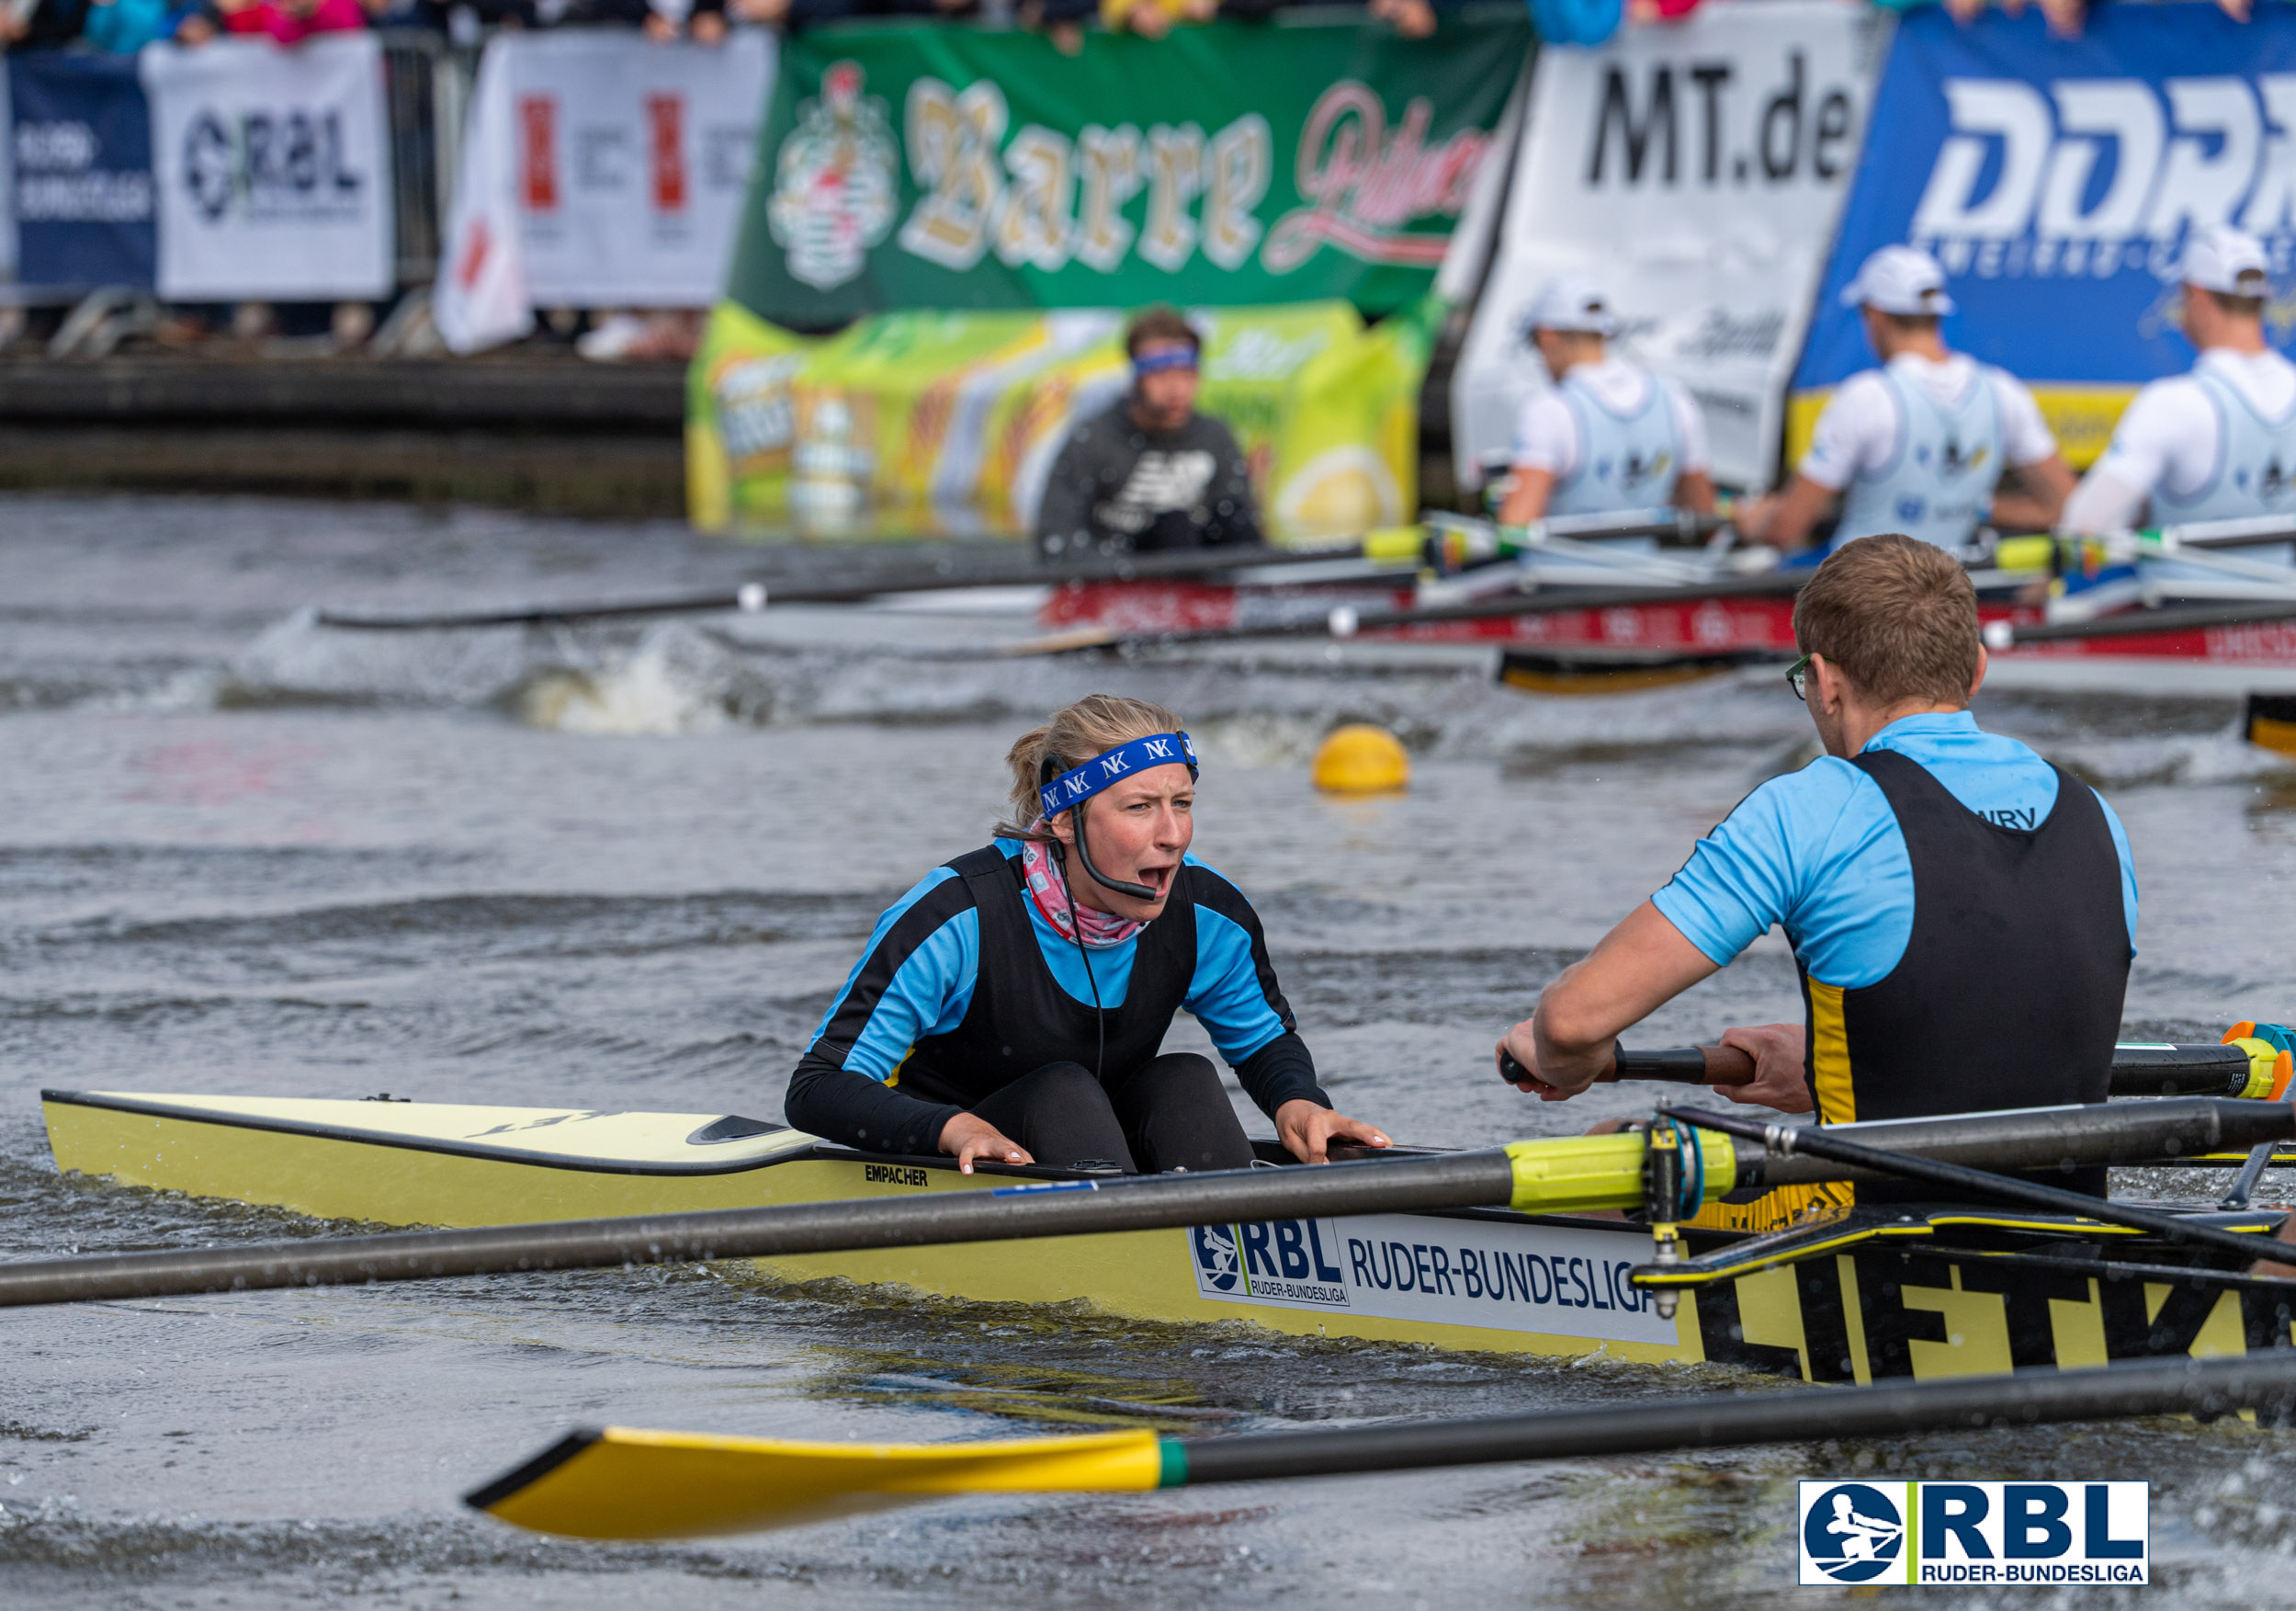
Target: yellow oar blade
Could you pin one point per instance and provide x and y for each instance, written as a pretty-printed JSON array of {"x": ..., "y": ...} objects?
[{"x": 627, "y": 1484}]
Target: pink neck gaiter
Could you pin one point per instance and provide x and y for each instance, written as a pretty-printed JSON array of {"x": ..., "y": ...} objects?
[{"x": 1098, "y": 930}]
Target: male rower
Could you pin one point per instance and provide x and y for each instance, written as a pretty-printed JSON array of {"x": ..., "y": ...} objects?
[
  {"x": 1608, "y": 436},
  {"x": 1150, "y": 471},
  {"x": 2220, "y": 442},
  {"x": 1919, "y": 445},
  {"x": 1961, "y": 911}
]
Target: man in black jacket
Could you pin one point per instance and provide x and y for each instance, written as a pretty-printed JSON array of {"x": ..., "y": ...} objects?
[{"x": 1149, "y": 472}]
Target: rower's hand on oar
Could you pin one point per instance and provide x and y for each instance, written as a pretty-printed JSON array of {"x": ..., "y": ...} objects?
[
  {"x": 1517, "y": 1054},
  {"x": 1779, "y": 1080},
  {"x": 966, "y": 1137},
  {"x": 1307, "y": 1130}
]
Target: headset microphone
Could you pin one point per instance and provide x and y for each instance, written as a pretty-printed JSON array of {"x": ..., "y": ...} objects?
[{"x": 1052, "y": 767}]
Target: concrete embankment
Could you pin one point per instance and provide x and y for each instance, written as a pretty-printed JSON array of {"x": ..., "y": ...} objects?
[{"x": 538, "y": 433}]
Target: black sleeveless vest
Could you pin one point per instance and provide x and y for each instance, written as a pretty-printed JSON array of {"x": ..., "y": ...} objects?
[
  {"x": 2009, "y": 992},
  {"x": 1020, "y": 1018}
]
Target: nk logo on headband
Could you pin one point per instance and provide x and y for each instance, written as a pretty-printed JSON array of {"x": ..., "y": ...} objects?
[
  {"x": 1961, "y": 1533},
  {"x": 1073, "y": 787}
]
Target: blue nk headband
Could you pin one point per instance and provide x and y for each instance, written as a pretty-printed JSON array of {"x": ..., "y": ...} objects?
[
  {"x": 1070, "y": 789},
  {"x": 1172, "y": 357}
]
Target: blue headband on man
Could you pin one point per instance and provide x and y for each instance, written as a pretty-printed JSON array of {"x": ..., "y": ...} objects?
[
  {"x": 1172, "y": 357},
  {"x": 1160, "y": 749}
]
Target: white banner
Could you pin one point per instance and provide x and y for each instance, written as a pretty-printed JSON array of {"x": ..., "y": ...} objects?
[
  {"x": 1695, "y": 171},
  {"x": 480, "y": 300},
  {"x": 614, "y": 170},
  {"x": 273, "y": 168}
]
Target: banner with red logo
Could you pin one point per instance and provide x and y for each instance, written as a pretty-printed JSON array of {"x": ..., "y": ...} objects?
[
  {"x": 600, "y": 170},
  {"x": 1229, "y": 164}
]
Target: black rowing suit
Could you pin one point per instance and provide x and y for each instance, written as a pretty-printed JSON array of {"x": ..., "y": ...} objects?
[
  {"x": 966, "y": 988},
  {"x": 1961, "y": 913},
  {"x": 2009, "y": 991}
]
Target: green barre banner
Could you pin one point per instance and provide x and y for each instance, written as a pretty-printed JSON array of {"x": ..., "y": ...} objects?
[{"x": 1231, "y": 165}]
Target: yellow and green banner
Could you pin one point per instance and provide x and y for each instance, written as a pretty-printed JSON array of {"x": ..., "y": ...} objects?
[
  {"x": 1294, "y": 161},
  {"x": 946, "y": 424}
]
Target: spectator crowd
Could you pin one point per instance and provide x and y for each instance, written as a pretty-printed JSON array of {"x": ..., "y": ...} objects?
[{"x": 123, "y": 27}]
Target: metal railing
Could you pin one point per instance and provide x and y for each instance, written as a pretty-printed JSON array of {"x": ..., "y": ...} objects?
[{"x": 426, "y": 88}]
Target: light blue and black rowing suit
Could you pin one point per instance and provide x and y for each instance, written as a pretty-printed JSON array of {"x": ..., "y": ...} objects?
[
  {"x": 967, "y": 999},
  {"x": 1962, "y": 916}
]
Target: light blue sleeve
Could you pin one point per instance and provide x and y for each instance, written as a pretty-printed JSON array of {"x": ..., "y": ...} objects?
[
  {"x": 1229, "y": 996},
  {"x": 907, "y": 984},
  {"x": 1816, "y": 852}
]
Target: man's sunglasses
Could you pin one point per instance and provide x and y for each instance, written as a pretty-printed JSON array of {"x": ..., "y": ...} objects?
[{"x": 1798, "y": 677}]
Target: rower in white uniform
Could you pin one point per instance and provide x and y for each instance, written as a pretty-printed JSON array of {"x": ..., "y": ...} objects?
[
  {"x": 1608, "y": 436},
  {"x": 2216, "y": 444},
  {"x": 1921, "y": 444}
]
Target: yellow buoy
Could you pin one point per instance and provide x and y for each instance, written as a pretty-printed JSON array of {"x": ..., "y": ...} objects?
[{"x": 1361, "y": 759}]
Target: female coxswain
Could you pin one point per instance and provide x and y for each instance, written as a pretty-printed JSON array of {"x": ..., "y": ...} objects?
[{"x": 1013, "y": 1006}]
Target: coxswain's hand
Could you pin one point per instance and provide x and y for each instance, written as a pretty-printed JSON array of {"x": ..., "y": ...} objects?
[
  {"x": 1307, "y": 1130},
  {"x": 1778, "y": 1080},
  {"x": 966, "y": 1137}
]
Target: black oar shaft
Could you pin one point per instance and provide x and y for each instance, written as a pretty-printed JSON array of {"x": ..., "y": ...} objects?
[
  {"x": 1456, "y": 1180},
  {"x": 2195, "y": 1069},
  {"x": 2266, "y": 1382},
  {"x": 1148, "y": 567},
  {"x": 1959, "y": 1183},
  {"x": 2044, "y": 1138}
]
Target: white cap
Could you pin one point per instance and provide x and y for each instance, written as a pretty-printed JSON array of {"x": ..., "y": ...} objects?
[
  {"x": 1904, "y": 280},
  {"x": 2227, "y": 261},
  {"x": 1574, "y": 305}
]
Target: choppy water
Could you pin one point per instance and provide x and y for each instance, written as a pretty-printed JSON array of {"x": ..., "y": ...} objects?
[{"x": 239, "y": 852}]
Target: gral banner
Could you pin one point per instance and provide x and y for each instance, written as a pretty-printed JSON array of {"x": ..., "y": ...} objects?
[
  {"x": 1694, "y": 171},
  {"x": 938, "y": 167},
  {"x": 81, "y": 141},
  {"x": 922, "y": 424},
  {"x": 2057, "y": 180},
  {"x": 274, "y": 168}
]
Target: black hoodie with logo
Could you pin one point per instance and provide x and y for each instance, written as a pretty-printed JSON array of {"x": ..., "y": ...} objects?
[{"x": 1117, "y": 488}]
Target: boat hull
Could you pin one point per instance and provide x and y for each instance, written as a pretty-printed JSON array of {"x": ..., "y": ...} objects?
[
  {"x": 1870, "y": 1308},
  {"x": 1718, "y": 628}
]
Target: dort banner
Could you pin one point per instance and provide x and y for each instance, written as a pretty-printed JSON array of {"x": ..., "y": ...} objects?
[
  {"x": 80, "y": 144},
  {"x": 1694, "y": 171},
  {"x": 598, "y": 173},
  {"x": 936, "y": 167},
  {"x": 272, "y": 168},
  {"x": 2056, "y": 180}
]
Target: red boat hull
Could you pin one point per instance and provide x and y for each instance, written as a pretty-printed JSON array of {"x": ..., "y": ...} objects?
[{"x": 1712, "y": 627}]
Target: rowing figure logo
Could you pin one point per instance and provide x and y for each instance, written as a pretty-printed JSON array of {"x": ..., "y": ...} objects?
[
  {"x": 1219, "y": 1267},
  {"x": 833, "y": 181},
  {"x": 1853, "y": 1533}
]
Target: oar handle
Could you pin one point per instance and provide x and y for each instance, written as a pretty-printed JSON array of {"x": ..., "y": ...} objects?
[
  {"x": 2203, "y": 1069},
  {"x": 1680, "y": 1065}
]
